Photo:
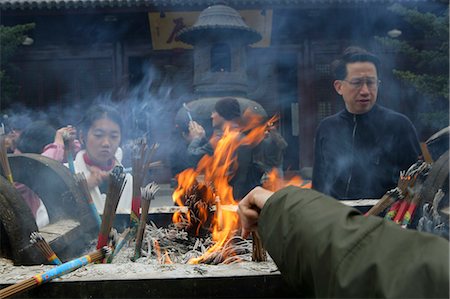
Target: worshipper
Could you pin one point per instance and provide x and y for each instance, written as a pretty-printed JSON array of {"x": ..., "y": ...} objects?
[
  {"x": 100, "y": 135},
  {"x": 325, "y": 249},
  {"x": 360, "y": 151}
]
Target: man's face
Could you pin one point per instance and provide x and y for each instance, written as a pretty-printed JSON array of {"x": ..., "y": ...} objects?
[
  {"x": 217, "y": 120},
  {"x": 360, "y": 88}
]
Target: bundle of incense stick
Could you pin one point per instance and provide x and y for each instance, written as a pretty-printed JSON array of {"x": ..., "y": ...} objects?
[
  {"x": 387, "y": 200},
  {"x": 4, "y": 160},
  {"x": 115, "y": 189},
  {"x": 148, "y": 194},
  {"x": 68, "y": 152},
  {"x": 81, "y": 181},
  {"x": 140, "y": 163},
  {"x": 407, "y": 182},
  {"x": 259, "y": 253},
  {"x": 37, "y": 239},
  {"x": 56, "y": 272},
  {"x": 417, "y": 173}
]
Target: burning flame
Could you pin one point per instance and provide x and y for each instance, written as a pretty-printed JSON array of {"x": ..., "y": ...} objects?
[
  {"x": 212, "y": 177},
  {"x": 275, "y": 182}
]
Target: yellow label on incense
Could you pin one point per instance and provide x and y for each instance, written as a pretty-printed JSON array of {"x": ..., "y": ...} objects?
[
  {"x": 10, "y": 178},
  {"x": 54, "y": 259}
]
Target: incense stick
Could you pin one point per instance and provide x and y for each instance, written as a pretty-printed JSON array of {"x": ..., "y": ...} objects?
[
  {"x": 140, "y": 164},
  {"x": 4, "y": 160},
  {"x": 148, "y": 194},
  {"x": 51, "y": 274},
  {"x": 81, "y": 181},
  {"x": 259, "y": 253},
  {"x": 188, "y": 111},
  {"x": 115, "y": 189},
  {"x": 37, "y": 239},
  {"x": 69, "y": 156},
  {"x": 387, "y": 200}
]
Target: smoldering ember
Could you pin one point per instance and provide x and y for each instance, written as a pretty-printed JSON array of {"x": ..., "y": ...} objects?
[{"x": 130, "y": 131}]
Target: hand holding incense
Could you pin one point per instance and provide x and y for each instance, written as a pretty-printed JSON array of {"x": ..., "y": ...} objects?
[
  {"x": 148, "y": 194},
  {"x": 56, "y": 272},
  {"x": 37, "y": 239}
]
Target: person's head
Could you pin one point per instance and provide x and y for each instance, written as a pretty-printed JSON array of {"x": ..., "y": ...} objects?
[
  {"x": 101, "y": 133},
  {"x": 356, "y": 79},
  {"x": 35, "y": 137},
  {"x": 226, "y": 109}
]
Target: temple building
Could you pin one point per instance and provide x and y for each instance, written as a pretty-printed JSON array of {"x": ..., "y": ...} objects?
[{"x": 276, "y": 55}]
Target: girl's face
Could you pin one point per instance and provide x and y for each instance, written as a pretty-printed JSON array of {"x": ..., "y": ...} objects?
[{"x": 103, "y": 139}]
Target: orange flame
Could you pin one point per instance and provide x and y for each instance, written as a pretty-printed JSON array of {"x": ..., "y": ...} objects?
[
  {"x": 157, "y": 250},
  {"x": 167, "y": 259},
  {"x": 215, "y": 172},
  {"x": 275, "y": 182}
]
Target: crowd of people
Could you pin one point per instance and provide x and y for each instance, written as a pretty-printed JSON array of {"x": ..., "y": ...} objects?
[{"x": 321, "y": 247}]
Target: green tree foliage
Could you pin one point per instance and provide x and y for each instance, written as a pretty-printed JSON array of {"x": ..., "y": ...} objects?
[
  {"x": 427, "y": 67},
  {"x": 11, "y": 38}
]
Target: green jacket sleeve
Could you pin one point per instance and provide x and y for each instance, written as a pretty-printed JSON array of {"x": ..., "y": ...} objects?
[{"x": 326, "y": 249}]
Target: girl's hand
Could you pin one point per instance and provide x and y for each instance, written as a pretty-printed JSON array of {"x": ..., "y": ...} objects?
[
  {"x": 67, "y": 134},
  {"x": 97, "y": 177}
]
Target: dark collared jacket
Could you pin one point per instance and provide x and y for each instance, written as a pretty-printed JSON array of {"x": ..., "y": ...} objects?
[{"x": 361, "y": 156}]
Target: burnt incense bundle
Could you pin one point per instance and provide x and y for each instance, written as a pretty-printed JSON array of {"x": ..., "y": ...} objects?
[
  {"x": 37, "y": 239},
  {"x": 115, "y": 189},
  {"x": 259, "y": 253},
  {"x": 140, "y": 164},
  {"x": 56, "y": 272},
  {"x": 4, "y": 160},
  {"x": 81, "y": 181},
  {"x": 148, "y": 194}
]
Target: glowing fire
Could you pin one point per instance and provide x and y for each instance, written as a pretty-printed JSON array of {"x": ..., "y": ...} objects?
[
  {"x": 275, "y": 182},
  {"x": 210, "y": 180}
]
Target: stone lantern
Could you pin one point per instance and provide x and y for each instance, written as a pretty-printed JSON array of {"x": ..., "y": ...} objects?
[{"x": 220, "y": 38}]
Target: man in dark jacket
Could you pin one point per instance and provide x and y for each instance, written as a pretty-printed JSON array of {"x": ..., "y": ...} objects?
[
  {"x": 325, "y": 249},
  {"x": 360, "y": 151}
]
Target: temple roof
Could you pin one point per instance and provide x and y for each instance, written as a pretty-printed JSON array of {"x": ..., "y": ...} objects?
[{"x": 71, "y": 4}]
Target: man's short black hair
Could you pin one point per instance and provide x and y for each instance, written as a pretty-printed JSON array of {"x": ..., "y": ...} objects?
[{"x": 350, "y": 55}]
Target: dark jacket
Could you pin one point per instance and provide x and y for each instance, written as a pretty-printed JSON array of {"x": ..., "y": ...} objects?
[
  {"x": 326, "y": 249},
  {"x": 361, "y": 156}
]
